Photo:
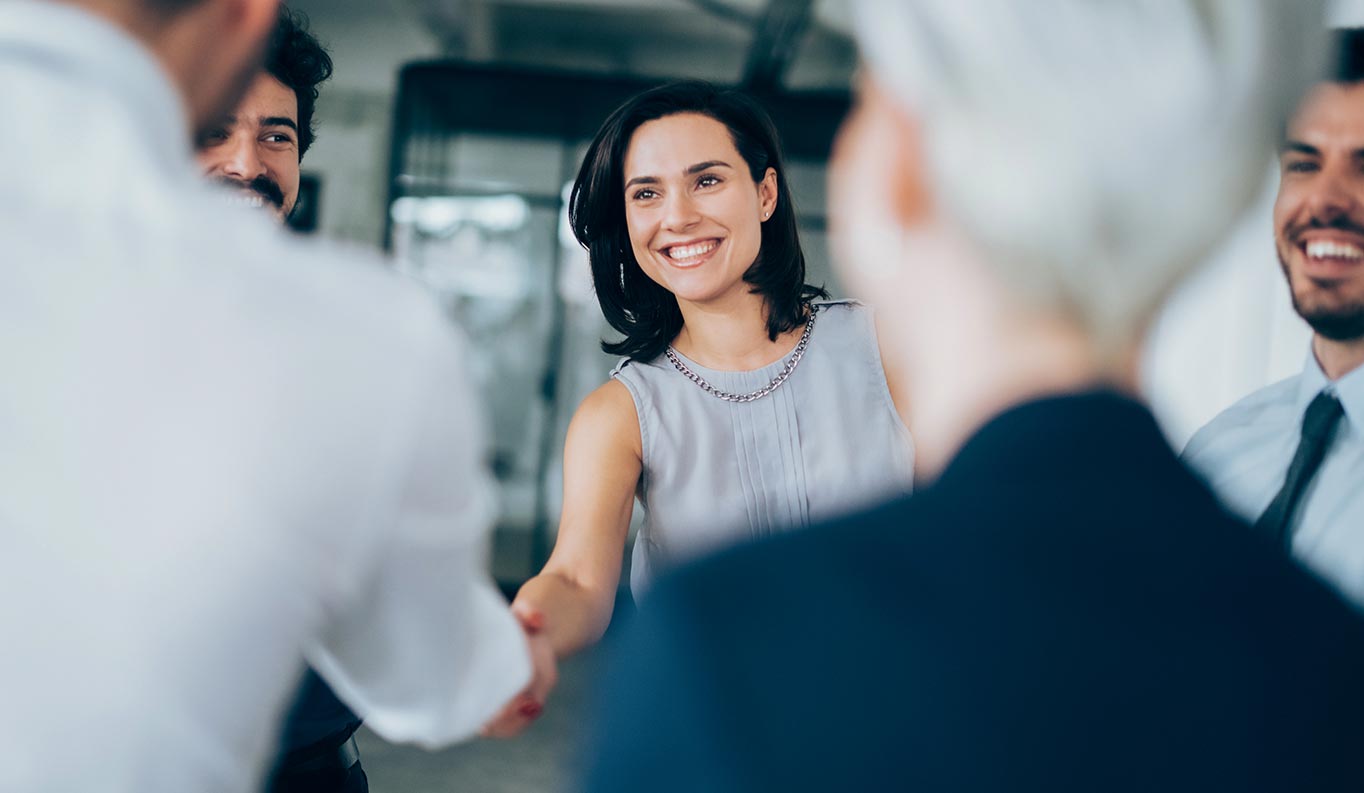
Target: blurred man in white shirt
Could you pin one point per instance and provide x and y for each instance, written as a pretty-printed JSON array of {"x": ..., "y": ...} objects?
[{"x": 212, "y": 465}]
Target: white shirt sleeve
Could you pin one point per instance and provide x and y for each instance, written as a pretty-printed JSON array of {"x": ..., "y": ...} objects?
[{"x": 427, "y": 650}]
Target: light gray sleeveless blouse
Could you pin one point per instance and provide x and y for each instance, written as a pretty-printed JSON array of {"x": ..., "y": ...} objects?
[{"x": 715, "y": 472}]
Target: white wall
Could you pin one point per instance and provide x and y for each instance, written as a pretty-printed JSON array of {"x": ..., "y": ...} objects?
[{"x": 1227, "y": 331}]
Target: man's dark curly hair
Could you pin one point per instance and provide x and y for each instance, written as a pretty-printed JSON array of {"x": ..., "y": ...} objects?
[{"x": 295, "y": 58}]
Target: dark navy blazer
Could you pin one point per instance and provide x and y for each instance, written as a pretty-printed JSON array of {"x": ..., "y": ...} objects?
[{"x": 1066, "y": 608}]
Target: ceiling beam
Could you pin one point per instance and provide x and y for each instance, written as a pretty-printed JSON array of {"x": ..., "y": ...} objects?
[
  {"x": 727, "y": 12},
  {"x": 466, "y": 28}
]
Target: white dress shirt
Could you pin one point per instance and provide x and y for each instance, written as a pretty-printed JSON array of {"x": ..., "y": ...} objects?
[
  {"x": 222, "y": 450},
  {"x": 1245, "y": 451}
]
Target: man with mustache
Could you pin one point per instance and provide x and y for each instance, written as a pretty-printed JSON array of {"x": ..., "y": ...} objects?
[
  {"x": 214, "y": 469},
  {"x": 258, "y": 148},
  {"x": 256, "y": 151},
  {"x": 1291, "y": 456}
]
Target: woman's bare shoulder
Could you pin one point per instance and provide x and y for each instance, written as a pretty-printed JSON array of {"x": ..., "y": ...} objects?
[
  {"x": 611, "y": 399},
  {"x": 608, "y": 414}
]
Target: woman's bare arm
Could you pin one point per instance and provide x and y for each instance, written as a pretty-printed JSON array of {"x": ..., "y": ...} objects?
[{"x": 573, "y": 597}]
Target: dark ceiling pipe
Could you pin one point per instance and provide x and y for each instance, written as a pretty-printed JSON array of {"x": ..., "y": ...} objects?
[{"x": 775, "y": 39}]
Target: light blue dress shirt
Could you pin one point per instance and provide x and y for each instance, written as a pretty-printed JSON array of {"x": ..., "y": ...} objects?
[{"x": 1244, "y": 454}]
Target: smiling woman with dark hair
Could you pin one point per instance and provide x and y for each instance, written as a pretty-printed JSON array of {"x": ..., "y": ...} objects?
[
  {"x": 635, "y": 303},
  {"x": 744, "y": 406}
]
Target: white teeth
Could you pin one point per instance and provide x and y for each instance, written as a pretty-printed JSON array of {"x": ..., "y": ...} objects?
[
  {"x": 691, "y": 251},
  {"x": 1334, "y": 250},
  {"x": 252, "y": 201}
]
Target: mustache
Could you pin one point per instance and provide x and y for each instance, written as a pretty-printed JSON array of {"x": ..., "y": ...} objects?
[
  {"x": 1337, "y": 223},
  {"x": 266, "y": 187}
]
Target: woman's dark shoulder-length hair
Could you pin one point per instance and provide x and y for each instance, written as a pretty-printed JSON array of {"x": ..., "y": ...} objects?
[{"x": 646, "y": 313}]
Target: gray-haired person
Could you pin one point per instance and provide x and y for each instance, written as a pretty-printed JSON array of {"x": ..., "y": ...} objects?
[{"x": 1062, "y": 605}]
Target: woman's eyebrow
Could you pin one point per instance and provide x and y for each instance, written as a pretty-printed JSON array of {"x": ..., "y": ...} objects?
[
  {"x": 642, "y": 180},
  {"x": 701, "y": 166},
  {"x": 694, "y": 169}
]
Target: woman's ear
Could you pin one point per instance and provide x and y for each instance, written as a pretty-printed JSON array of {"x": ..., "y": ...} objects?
[{"x": 767, "y": 193}]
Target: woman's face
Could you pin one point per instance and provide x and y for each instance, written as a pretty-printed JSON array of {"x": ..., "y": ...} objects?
[{"x": 693, "y": 212}]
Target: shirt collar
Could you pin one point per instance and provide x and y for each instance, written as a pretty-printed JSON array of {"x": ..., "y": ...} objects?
[
  {"x": 87, "y": 48},
  {"x": 1348, "y": 389}
]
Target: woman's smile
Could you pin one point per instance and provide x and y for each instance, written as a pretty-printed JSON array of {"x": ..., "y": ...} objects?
[{"x": 690, "y": 254}]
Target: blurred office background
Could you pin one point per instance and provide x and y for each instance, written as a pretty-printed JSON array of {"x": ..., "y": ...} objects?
[{"x": 449, "y": 135}]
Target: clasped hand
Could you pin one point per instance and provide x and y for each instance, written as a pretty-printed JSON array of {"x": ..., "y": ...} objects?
[{"x": 529, "y": 703}]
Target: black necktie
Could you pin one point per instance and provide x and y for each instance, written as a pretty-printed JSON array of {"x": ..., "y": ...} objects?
[{"x": 1317, "y": 427}]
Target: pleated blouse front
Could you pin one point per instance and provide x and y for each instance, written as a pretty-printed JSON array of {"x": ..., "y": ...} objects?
[{"x": 715, "y": 472}]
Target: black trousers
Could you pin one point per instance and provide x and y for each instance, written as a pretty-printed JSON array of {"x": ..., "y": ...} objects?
[{"x": 320, "y": 780}]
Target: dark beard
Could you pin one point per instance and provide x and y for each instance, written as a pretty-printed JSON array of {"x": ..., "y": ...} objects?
[
  {"x": 1342, "y": 324},
  {"x": 263, "y": 185},
  {"x": 1345, "y": 323}
]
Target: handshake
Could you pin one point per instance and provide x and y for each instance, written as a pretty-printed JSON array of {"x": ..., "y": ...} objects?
[{"x": 529, "y": 703}]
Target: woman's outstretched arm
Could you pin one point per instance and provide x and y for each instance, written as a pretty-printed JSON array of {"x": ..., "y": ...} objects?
[{"x": 571, "y": 600}]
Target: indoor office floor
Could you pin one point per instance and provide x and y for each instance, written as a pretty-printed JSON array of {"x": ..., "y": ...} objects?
[{"x": 545, "y": 759}]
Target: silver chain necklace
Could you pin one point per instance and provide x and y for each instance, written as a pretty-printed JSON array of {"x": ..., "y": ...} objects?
[{"x": 776, "y": 383}]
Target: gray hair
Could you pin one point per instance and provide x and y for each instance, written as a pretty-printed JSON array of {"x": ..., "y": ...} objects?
[{"x": 1094, "y": 150}]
